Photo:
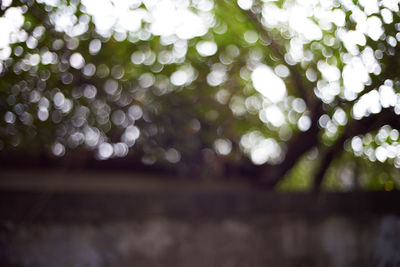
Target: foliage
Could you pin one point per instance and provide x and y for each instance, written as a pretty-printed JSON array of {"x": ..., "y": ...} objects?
[{"x": 302, "y": 89}]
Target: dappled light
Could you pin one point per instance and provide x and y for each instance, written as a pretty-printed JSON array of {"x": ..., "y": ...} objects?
[{"x": 175, "y": 83}]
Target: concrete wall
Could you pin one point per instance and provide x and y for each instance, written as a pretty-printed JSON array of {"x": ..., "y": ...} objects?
[{"x": 194, "y": 225}]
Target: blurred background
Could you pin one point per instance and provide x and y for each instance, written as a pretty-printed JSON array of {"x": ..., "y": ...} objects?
[{"x": 154, "y": 124}]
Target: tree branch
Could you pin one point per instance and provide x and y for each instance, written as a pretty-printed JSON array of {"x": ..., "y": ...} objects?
[
  {"x": 296, "y": 147},
  {"x": 295, "y": 76},
  {"x": 356, "y": 127},
  {"x": 304, "y": 141}
]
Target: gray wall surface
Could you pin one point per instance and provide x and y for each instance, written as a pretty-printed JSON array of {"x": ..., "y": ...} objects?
[
  {"x": 268, "y": 241},
  {"x": 198, "y": 225}
]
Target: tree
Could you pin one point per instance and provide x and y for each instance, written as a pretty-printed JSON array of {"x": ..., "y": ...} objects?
[{"x": 294, "y": 93}]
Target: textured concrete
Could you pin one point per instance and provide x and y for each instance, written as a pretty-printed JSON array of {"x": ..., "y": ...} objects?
[
  {"x": 284, "y": 241},
  {"x": 153, "y": 223}
]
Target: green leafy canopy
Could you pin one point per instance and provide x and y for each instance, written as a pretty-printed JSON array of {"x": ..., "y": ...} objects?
[{"x": 297, "y": 94}]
